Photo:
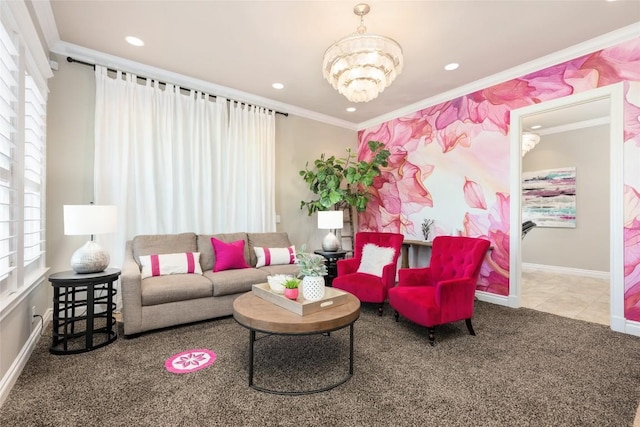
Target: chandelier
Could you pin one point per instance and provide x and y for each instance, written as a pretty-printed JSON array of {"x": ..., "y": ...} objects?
[
  {"x": 529, "y": 140},
  {"x": 361, "y": 65}
]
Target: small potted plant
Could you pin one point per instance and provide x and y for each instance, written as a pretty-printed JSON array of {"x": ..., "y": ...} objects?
[
  {"x": 426, "y": 227},
  {"x": 312, "y": 270},
  {"x": 291, "y": 288}
]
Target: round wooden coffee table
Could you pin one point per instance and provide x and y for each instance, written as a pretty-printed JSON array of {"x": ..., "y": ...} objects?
[{"x": 260, "y": 315}]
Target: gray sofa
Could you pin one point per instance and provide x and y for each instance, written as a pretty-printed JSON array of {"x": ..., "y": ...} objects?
[{"x": 162, "y": 301}]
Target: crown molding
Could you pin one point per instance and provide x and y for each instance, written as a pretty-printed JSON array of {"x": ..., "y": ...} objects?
[
  {"x": 607, "y": 40},
  {"x": 575, "y": 126},
  {"x": 589, "y": 46},
  {"x": 143, "y": 70}
]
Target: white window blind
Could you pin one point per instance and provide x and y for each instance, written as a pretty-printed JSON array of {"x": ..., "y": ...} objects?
[
  {"x": 34, "y": 156},
  {"x": 8, "y": 197}
]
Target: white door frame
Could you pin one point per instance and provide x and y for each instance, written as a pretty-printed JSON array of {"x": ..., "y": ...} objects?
[{"x": 615, "y": 94}]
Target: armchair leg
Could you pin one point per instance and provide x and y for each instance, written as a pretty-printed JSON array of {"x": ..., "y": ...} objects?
[
  {"x": 380, "y": 308},
  {"x": 396, "y": 315},
  {"x": 470, "y": 326},
  {"x": 432, "y": 336}
]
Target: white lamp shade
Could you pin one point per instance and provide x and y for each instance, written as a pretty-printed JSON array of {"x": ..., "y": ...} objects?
[
  {"x": 330, "y": 220},
  {"x": 89, "y": 219}
]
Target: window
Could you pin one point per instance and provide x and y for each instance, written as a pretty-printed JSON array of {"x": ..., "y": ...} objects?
[
  {"x": 34, "y": 156},
  {"x": 22, "y": 164},
  {"x": 8, "y": 134}
]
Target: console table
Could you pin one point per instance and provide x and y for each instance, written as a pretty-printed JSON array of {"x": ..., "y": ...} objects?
[
  {"x": 83, "y": 307},
  {"x": 405, "y": 249},
  {"x": 406, "y": 244}
]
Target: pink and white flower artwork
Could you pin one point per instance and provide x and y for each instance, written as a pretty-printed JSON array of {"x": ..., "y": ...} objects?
[{"x": 450, "y": 162}]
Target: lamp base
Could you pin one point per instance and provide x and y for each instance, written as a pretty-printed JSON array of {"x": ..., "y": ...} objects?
[
  {"x": 330, "y": 243},
  {"x": 90, "y": 258}
]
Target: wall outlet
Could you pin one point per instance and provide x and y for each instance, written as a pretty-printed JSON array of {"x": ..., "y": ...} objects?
[{"x": 33, "y": 311}]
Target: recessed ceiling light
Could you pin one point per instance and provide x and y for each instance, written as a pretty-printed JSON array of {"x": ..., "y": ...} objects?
[
  {"x": 134, "y": 41},
  {"x": 277, "y": 86},
  {"x": 351, "y": 109},
  {"x": 536, "y": 127},
  {"x": 452, "y": 66}
]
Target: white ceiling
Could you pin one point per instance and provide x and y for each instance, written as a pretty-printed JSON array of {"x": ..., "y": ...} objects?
[{"x": 248, "y": 45}]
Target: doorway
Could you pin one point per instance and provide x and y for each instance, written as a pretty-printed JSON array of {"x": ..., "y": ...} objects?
[
  {"x": 614, "y": 95},
  {"x": 573, "y": 139}
]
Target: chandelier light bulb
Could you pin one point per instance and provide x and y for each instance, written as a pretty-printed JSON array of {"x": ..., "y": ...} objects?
[{"x": 361, "y": 65}]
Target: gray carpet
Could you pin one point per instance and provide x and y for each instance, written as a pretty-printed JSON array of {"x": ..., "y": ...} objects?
[{"x": 524, "y": 368}]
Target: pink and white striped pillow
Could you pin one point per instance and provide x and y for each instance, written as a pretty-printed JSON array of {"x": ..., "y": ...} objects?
[
  {"x": 275, "y": 256},
  {"x": 163, "y": 264}
]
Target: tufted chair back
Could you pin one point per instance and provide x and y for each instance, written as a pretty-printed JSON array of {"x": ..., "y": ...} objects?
[{"x": 454, "y": 257}]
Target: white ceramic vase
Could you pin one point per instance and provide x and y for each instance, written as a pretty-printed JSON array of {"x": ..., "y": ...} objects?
[{"x": 313, "y": 287}]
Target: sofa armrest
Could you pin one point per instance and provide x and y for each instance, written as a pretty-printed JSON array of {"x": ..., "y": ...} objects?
[{"x": 131, "y": 290}]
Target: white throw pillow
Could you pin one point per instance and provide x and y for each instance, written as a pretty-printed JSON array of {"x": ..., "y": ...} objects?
[
  {"x": 374, "y": 258},
  {"x": 275, "y": 256},
  {"x": 163, "y": 264}
]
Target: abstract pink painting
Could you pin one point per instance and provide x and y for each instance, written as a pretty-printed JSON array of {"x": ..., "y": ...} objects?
[{"x": 450, "y": 162}]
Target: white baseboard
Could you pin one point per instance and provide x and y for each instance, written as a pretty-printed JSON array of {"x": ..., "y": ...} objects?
[
  {"x": 492, "y": 298},
  {"x": 566, "y": 270},
  {"x": 10, "y": 378},
  {"x": 632, "y": 328}
]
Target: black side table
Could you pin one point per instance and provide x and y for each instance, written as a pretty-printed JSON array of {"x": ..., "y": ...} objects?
[
  {"x": 78, "y": 326},
  {"x": 331, "y": 261}
]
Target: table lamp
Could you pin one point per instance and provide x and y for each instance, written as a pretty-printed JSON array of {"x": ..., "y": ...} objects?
[
  {"x": 330, "y": 220},
  {"x": 89, "y": 220}
]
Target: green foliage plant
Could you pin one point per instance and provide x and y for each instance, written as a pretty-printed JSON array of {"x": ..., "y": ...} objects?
[
  {"x": 291, "y": 283},
  {"x": 339, "y": 183},
  {"x": 310, "y": 264}
]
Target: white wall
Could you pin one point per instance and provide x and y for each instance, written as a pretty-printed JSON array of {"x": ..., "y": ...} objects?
[
  {"x": 70, "y": 159},
  {"x": 586, "y": 246},
  {"x": 298, "y": 141}
]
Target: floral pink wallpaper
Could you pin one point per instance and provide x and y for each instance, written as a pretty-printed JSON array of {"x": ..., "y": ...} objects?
[{"x": 450, "y": 162}]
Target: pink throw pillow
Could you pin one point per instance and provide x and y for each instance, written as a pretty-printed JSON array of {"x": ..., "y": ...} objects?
[{"x": 228, "y": 255}]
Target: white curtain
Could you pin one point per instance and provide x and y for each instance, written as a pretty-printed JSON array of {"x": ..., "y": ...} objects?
[{"x": 173, "y": 163}]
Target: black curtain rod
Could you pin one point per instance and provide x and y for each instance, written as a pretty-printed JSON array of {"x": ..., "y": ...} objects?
[{"x": 70, "y": 60}]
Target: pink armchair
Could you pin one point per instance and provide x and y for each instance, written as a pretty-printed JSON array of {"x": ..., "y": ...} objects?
[
  {"x": 369, "y": 287},
  {"x": 444, "y": 292}
]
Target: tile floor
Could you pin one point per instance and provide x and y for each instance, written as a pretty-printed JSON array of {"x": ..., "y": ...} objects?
[{"x": 583, "y": 298}]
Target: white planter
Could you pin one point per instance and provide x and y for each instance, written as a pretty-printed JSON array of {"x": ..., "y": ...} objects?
[{"x": 313, "y": 287}]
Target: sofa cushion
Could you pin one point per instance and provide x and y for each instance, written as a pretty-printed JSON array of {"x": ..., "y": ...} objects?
[
  {"x": 205, "y": 247},
  {"x": 374, "y": 258},
  {"x": 275, "y": 256},
  {"x": 229, "y": 256},
  {"x": 163, "y": 244},
  {"x": 176, "y": 287},
  {"x": 266, "y": 240},
  {"x": 164, "y": 264},
  {"x": 235, "y": 281},
  {"x": 288, "y": 269}
]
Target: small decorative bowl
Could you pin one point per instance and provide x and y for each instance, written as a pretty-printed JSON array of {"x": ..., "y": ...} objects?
[{"x": 276, "y": 281}]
